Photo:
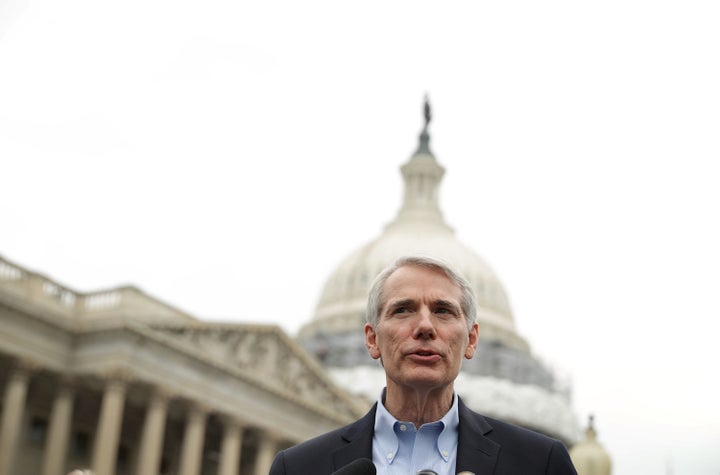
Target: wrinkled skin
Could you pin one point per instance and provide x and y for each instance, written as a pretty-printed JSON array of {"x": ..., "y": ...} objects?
[{"x": 421, "y": 338}]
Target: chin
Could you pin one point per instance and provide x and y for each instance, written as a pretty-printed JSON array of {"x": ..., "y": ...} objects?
[{"x": 427, "y": 382}]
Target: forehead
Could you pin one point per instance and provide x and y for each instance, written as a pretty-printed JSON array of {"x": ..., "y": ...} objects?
[{"x": 419, "y": 282}]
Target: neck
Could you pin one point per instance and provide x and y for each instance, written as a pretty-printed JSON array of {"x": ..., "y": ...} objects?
[{"x": 418, "y": 406}]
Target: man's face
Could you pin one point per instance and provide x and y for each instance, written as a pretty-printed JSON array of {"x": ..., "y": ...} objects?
[{"x": 422, "y": 334}]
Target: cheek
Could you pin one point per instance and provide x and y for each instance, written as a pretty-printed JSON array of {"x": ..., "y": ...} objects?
[
  {"x": 462, "y": 343},
  {"x": 387, "y": 342}
]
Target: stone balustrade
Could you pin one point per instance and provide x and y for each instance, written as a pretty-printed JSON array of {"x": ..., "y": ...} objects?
[{"x": 127, "y": 300}]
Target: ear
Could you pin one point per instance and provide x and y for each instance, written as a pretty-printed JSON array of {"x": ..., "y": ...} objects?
[
  {"x": 371, "y": 341},
  {"x": 472, "y": 341}
]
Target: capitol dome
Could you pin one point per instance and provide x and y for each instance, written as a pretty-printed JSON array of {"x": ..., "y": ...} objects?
[
  {"x": 419, "y": 229},
  {"x": 589, "y": 456},
  {"x": 503, "y": 361}
]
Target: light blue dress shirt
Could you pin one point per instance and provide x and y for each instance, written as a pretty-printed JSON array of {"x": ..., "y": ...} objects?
[{"x": 399, "y": 448}]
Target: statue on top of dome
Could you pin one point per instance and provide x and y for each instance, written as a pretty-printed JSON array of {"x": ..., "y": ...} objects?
[
  {"x": 424, "y": 146},
  {"x": 428, "y": 115}
]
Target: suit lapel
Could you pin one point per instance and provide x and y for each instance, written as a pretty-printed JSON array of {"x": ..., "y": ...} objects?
[
  {"x": 475, "y": 453},
  {"x": 358, "y": 438}
]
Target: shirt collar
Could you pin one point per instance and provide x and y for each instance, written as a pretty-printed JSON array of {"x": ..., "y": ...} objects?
[{"x": 388, "y": 441}]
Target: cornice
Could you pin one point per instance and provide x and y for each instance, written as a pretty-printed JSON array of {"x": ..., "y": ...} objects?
[{"x": 340, "y": 407}]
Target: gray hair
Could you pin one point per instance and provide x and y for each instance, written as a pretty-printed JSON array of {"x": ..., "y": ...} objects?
[{"x": 376, "y": 296}]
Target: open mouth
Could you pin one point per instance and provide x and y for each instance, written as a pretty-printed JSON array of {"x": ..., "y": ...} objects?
[{"x": 427, "y": 358}]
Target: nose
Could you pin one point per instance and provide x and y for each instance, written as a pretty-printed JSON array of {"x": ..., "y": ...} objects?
[{"x": 424, "y": 329}]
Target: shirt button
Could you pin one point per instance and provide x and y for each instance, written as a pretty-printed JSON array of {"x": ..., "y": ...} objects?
[
  {"x": 403, "y": 427},
  {"x": 445, "y": 453},
  {"x": 389, "y": 455}
]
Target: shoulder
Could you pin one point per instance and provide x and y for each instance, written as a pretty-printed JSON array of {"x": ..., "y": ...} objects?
[
  {"x": 507, "y": 432},
  {"x": 537, "y": 453},
  {"x": 516, "y": 448},
  {"x": 316, "y": 455},
  {"x": 500, "y": 431},
  {"x": 318, "y": 445}
]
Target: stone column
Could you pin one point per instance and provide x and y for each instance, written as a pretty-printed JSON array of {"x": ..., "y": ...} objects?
[
  {"x": 109, "y": 426},
  {"x": 267, "y": 446},
  {"x": 151, "y": 443},
  {"x": 193, "y": 441},
  {"x": 231, "y": 447},
  {"x": 59, "y": 430},
  {"x": 12, "y": 414}
]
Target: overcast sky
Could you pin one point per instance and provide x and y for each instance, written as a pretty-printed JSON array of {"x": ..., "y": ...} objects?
[{"x": 225, "y": 156}]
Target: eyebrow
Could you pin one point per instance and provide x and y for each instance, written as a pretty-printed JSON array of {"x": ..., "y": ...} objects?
[
  {"x": 434, "y": 303},
  {"x": 446, "y": 303},
  {"x": 400, "y": 303}
]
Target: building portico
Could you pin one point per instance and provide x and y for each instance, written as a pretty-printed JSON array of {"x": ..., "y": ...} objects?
[{"x": 121, "y": 383}]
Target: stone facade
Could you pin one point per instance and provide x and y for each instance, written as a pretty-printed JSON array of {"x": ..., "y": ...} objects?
[{"x": 121, "y": 383}]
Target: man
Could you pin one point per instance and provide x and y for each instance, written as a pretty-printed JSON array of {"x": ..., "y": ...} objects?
[{"x": 420, "y": 324}]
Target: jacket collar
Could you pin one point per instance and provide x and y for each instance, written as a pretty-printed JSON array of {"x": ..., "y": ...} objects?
[{"x": 475, "y": 453}]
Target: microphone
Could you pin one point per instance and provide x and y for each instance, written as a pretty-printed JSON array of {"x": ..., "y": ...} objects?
[{"x": 357, "y": 467}]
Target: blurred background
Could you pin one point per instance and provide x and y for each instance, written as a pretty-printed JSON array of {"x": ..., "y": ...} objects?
[{"x": 225, "y": 157}]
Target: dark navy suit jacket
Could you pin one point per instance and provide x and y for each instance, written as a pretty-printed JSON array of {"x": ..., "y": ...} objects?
[{"x": 485, "y": 446}]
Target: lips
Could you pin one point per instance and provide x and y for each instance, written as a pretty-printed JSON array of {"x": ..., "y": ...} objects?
[{"x": 424, "y": 356}]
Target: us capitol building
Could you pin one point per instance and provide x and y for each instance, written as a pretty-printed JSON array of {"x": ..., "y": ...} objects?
[{"x": 119, "y": 382}]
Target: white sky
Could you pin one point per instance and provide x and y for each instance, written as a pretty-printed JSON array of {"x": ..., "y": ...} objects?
[{"x": 224, "y": 156}]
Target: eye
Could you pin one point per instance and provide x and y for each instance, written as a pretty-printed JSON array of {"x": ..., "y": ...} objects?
[
  {"x": 401, "y": 308},
  {"x": 445, "y": 312}
]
